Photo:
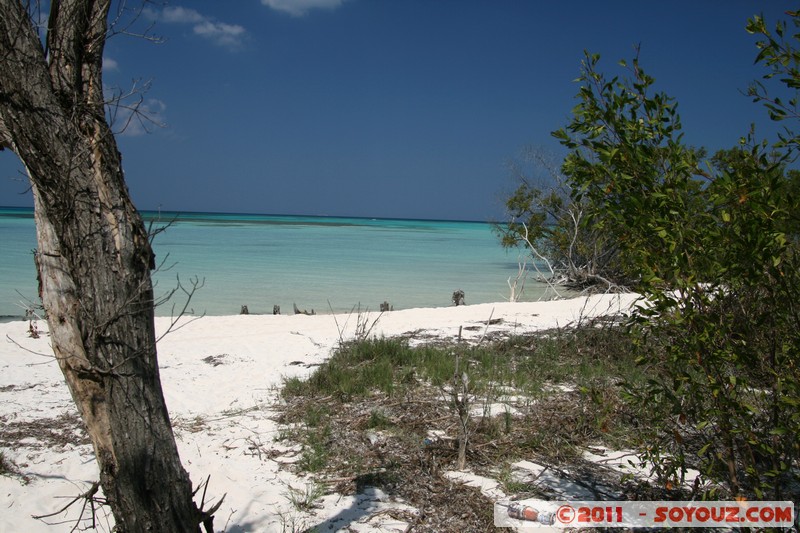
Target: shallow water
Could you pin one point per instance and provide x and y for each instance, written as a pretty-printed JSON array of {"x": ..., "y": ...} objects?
[{"x": 319, "y": 263}]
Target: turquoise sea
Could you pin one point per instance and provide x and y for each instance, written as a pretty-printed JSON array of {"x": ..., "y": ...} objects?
[{"x": 319, "y": 263}]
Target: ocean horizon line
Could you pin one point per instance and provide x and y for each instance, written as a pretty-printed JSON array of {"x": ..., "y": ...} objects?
[
  {"x": 148, "y": 214},
  {"x": 267, "y": 262}
]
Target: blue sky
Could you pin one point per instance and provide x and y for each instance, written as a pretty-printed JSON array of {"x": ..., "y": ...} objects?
[{"x": 390, "y": 108}]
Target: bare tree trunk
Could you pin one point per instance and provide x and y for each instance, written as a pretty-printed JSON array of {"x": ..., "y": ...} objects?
[{"x": 94, "y": 259}]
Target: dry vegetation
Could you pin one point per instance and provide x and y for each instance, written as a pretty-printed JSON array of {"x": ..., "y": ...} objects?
[
  {"x": 64, "y": 430},
  {"x": 366, "y": 419}
]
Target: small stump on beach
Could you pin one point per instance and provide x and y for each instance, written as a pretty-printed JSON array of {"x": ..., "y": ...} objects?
[
  {"x": 276, "y": 309},
  {"x": 458, "y": 297},
  {"x": 244, "y": 311},
  {"x": 386, "y": 307},
  {"x": 298, "y": 311}
]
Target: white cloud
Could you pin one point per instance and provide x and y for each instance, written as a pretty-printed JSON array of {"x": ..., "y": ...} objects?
[
  {"x": 110, "y": 64},
  {"x": 223, "y": 34},
  {"x": 220, "y": 33},
  {"x": 299, "y": 8},
  {"x": 182, "y": 15}
]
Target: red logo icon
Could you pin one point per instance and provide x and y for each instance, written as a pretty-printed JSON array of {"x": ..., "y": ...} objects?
[{"x": 565, "y": 514}]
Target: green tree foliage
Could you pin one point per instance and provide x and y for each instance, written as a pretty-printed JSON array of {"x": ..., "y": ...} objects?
[
  {"x": 629, "y": 168},
  {"x": 712, "y": 245},
  {"x": 548, "y": 223}
]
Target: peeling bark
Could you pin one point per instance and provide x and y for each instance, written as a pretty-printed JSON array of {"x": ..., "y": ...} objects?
[{"x": 93, "y": 259}]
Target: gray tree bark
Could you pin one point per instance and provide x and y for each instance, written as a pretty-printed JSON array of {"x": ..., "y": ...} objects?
[{"x": 93, "y": 258}]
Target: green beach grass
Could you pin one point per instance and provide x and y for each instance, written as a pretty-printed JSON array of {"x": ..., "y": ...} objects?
[{"x": 381, "y": 412}]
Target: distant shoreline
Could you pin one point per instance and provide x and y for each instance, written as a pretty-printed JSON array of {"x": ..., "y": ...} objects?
[
  {"x": 266, "y": 260},
  {"x": 155, "y": 214}
]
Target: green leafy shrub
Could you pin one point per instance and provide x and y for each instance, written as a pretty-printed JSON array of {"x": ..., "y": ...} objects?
[
  {"x": 712, "y": 245},
  {"x": 546, "y": 221}
]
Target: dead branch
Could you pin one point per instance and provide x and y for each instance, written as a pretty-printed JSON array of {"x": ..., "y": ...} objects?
[
  {"x": 197, "y": 284},
  {"x": 40, "y": 354},
  {"x": 488, "y": 323},
  {"x": 522, "y": 275},
  {"x": 207, "y": 517},
  {"x": 535, "y": 252},
  {"x": 125, "y": 18},
  {"x": 130, "y": 106},
  {"x": 89, "y": 498}
]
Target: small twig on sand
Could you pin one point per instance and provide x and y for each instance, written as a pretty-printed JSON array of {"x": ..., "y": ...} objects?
[
  {"x": 488, "y": 323},
  {"x": 88, "y": 497}
]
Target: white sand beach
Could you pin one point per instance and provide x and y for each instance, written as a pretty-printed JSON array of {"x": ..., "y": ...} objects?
[{"x": 220, "y": 377}]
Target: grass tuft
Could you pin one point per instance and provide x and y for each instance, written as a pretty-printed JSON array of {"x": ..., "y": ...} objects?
[
  {"x": 543, "y": 397},
  {"x": 6, "y": 466},
  {"x": 9, "y": 469}
]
